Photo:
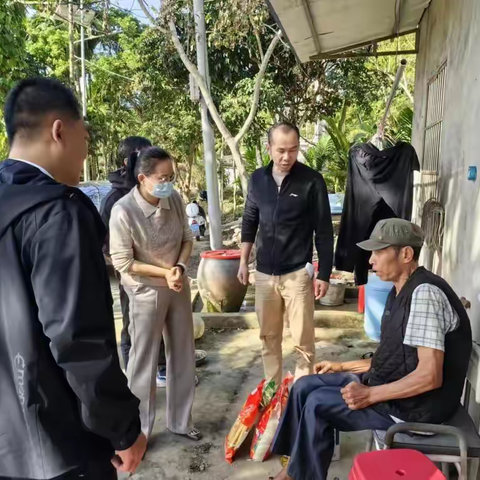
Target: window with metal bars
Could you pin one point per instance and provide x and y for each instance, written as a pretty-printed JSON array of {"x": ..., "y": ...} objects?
[{"x": 433, "y": 135}]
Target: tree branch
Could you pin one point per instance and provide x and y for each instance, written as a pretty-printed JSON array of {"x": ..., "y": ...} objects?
[
  {"x": 258, "y": 85},
  {"x": 193, "y": 70},
  {"x": 308, "y": 141},
  {"x": 147, "y": 13},
  {"x": 259, "y": 41},
  {"x": 343, "y": 117},
  {"x": 313, "y": 99},
  {"x": 94, "y": 65},
  {"x": 274, "y": 31}
]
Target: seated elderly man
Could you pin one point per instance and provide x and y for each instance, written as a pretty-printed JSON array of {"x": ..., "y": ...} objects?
[{"x": 416, "y": 375}]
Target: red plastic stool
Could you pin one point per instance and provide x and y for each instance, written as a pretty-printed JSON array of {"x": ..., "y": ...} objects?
[{"x": 401, "y": 464}]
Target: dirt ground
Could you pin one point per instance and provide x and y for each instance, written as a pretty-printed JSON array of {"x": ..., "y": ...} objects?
[{"x": 233, "y": 369}]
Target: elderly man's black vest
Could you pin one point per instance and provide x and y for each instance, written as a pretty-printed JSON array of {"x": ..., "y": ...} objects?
[{"x": 393, "y": 360}]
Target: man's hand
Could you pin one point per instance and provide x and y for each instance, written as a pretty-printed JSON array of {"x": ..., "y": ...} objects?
[
  {"x": 356, "y": 396},
  {"x": 243, "y": 273},
  {"x": 174, "y": 279},
  {"x": 129, "y": 459},
  {"x": 328, "y": 367},
  {"x": 321, "y": 289}
]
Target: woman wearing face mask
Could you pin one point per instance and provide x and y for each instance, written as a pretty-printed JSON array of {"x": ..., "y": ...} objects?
[{"x": 150, "y": 245}]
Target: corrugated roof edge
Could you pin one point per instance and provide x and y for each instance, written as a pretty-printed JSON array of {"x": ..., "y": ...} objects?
[{"x": 273, "y": 13}]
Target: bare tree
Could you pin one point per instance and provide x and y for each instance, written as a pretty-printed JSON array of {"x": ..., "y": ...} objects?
[{"x": 233, "y": 141}]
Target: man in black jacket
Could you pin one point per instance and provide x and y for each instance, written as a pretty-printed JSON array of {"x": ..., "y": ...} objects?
[
  {"x": 288, "y": 203},
  {"x": 416, "y": 375},
  {"x": 65, "y": 407}
]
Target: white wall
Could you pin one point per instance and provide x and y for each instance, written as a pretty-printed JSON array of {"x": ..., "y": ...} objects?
[{"x": 450, "y": 31}]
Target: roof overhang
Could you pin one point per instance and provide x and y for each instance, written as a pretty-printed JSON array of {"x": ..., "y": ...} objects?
[{"x": 327, "y": 28}]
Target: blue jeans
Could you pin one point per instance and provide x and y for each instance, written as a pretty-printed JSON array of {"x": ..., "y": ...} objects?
[{"x": 315, "y": 409}]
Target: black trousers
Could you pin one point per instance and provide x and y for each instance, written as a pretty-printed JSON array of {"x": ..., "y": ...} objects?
[
  {"x": 95, "y": 470},
  {"x": 315, "y": 410},
  {"x": 125, "y": 342},
  {"x": 92, "y": 471}
]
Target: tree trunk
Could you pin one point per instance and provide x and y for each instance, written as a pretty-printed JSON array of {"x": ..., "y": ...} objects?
[
  {"x": 234, "y": 192},
  {"x": 190, "y": 160},
  {"x": 233, "y": 142},
  {"x": 221, "y": 177},
  {"x": 341, "y": 124},
  {"x": 258, "y": 155},
  {"x": 239, "y": 163}
]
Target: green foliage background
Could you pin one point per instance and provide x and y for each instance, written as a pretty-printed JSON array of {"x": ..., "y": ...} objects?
[{"x": 137, "y": 85}]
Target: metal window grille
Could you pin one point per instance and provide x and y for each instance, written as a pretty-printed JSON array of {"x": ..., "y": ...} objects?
[{"x": 430, "y": 171}]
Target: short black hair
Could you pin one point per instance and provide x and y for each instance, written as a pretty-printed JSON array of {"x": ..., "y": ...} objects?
[
  {"x": 285, "y": 127},
  {"x": 32, "y": 99},
  {"x": 416, "y": 251},
  {"x": 131, "y": 144}
]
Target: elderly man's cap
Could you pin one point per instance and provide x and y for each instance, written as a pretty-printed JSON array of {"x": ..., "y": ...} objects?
[{"x": 394, "y": 232}]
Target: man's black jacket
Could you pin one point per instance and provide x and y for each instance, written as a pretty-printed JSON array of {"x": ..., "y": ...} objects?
[
  {"x": 63, "y": 397},
  {"x": 287, "y": 221}
]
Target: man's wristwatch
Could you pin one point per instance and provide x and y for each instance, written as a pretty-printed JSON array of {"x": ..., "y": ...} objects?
[{"x": 182, "y": 266}]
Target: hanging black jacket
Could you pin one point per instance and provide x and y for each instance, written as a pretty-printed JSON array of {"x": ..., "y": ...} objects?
[
  {"x": 121, "y": 185},
  {"x": 63, "y": 397},
  {"x": 379, "y": 186},
  {"x": 287, "y": 221}
]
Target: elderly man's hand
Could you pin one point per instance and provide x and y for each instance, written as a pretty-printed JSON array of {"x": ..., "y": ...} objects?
[{"x": 356, "y": 396}]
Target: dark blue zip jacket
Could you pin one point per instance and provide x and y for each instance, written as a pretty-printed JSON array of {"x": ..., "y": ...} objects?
[
  {"x": 64, "y": 400},
  {"x": 287, "y": 221}
]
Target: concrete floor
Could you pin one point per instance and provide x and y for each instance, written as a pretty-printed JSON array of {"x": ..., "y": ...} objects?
[{"x": 233, "y": 370}]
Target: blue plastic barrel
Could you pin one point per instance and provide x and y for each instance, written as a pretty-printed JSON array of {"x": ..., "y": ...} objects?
[{"x": 376, "y": 294}]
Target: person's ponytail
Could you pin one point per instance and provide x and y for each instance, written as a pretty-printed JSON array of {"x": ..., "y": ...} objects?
[{"x": 131, "y": 168}]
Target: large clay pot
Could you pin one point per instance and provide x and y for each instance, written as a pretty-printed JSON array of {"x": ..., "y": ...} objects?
[{"x": 218, "y": 283}]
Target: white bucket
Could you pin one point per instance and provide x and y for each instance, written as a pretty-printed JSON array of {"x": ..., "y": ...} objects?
[
  {"x": 198, "y": 327},
  {"x": 335, "y": 295}
]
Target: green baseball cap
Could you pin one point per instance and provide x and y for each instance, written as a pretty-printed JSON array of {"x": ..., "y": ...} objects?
[{"x": 393, "y": 232}]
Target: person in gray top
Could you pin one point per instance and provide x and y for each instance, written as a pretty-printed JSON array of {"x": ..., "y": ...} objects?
[{"x": 150, "y": 245}]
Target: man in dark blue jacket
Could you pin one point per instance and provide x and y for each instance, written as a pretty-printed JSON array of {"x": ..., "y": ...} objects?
[{"x": 64, "y": 405}]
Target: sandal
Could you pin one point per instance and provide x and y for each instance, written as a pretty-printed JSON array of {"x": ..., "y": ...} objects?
[{"x": 194, "y": 434}]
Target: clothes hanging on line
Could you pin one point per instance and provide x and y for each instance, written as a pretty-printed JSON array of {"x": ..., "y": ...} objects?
[{"x": 379, "y": 186}]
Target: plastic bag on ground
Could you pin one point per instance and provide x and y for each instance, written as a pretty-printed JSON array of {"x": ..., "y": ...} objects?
[
  {"x": 246, "y": 420},
  {"x": 269, "y": 422}
]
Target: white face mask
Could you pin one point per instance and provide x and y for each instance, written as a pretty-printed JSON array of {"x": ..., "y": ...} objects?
[{"x": 161, "y": 190}]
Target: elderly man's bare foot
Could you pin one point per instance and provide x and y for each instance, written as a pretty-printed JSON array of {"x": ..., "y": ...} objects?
[{"x": 282, "y": 476}]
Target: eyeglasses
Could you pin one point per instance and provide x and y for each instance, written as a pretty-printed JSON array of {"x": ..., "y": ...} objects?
[{"x": 166, "y": 178}]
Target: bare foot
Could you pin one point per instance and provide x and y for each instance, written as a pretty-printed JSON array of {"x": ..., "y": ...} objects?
[{"x": 282, "y": 476}]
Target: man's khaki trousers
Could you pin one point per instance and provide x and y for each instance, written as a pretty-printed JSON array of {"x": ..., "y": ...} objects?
[{"x": 290, "y": 295}]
